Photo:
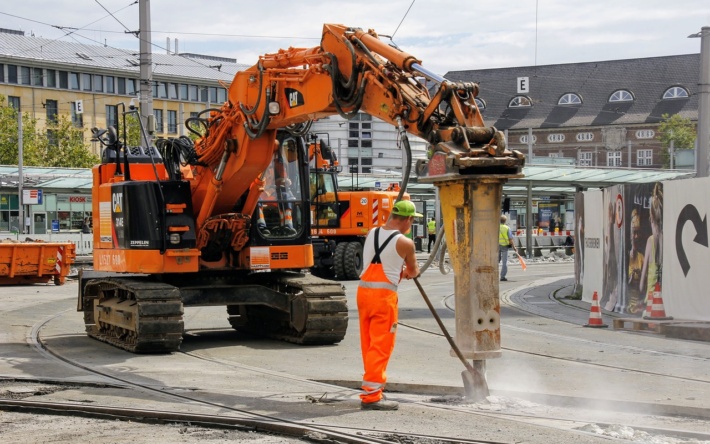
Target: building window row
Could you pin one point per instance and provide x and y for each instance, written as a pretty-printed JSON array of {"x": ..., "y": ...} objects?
[
  {"x": 570, "y": 99},
  {"x": 189, "y": 93},
  {"x": 644, "y": 157},
  {"x": 78, "y": 81}
]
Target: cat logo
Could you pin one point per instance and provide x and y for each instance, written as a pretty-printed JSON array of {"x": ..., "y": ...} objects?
[
  {"x": 295, "y": 98},
  {"x": 117, "y": 199}
]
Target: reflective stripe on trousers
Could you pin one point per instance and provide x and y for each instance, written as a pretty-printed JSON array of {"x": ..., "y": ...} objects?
[{"x": 377, "y": 309}]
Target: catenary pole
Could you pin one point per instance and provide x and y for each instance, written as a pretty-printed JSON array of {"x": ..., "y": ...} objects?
[
  {"x": 704, "y": 105},
  {"x": 146, "y": 71},
  {"x": 21, "y": 212}
]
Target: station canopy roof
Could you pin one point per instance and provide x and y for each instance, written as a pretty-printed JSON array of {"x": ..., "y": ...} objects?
[
  {"x": 46, "y": 177},
  {"x": 546, "y": 179}
]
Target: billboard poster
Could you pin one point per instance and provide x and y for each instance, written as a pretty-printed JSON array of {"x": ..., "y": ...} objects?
[
  {"x": 638, "y": 231},
  {"x": 578, "y": 241},
  {"x": 547, "y": 215},
  {"x": 613, "y": 297}
]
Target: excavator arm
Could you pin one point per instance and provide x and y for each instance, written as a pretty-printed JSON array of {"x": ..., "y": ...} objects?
[{"x": 352, "y": 70}]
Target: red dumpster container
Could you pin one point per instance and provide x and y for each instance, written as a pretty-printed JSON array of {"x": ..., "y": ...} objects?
[{"x": 33, "y": 262}]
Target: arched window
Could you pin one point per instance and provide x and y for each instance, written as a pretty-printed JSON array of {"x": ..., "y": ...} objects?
[
  {"x": 621, "y": 95},
  {"x": 520, "y": 102},
  {"x": 675, "y": 92},
  {"x": 570, "y": 99},
  {"x": 480, "y": 103}
]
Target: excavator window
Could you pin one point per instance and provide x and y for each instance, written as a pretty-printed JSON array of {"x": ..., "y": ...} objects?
[
  {"x": 281, "y": 208},
  {"x": 324, "y": 199}
]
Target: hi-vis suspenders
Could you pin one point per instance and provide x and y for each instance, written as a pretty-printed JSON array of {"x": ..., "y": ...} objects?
[{"x": 377, "y": 261}]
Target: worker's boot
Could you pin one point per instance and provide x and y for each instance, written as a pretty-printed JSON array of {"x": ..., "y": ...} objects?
[{"x": 382, "y": 404}]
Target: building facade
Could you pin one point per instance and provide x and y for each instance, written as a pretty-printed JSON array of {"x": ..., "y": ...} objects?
[
  {"x": 598, "y": 114},
  {"x": 86, "y": 83}
]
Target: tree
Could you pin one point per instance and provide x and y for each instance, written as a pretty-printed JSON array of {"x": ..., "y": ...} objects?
[
  {"x": 60, "y": 144},
  {"x": 31, "y": 141},
  {"x": 133, "y": 129},
  {"x": 65, "y": 147},
  {"x": 678, "y": 129}
]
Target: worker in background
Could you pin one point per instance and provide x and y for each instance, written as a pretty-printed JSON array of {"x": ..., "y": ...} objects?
[
  {"x": 505, "y": 242},
  {"x": 431, "y": 228},
  {"x": 390, "y": 256}
]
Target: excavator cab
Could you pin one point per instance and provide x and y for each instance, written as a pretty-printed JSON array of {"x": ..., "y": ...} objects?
[
  {"x": 282, "y": 211},
  {"x": 324, "y": 199}
]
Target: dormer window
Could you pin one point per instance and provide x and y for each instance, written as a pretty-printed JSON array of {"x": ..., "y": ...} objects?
[
  {"x": 570, "y": 99},
  {"x": 480, "y": 103},
  {"x": 621, "y": 95},
  {"x": 675, "y": 92},
  {"x": 520, "y": 102}
]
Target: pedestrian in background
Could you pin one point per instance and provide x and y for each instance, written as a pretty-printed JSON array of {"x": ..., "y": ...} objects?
[
  {"x": 389, "y": 256},
  {"x": 86, "y": 226},
  {"x": 505, "y": 242},
  {"x": 431, "y": 227}
]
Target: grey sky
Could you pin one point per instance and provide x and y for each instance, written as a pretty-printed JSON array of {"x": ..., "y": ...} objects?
[{"x": 445, "y": 34}]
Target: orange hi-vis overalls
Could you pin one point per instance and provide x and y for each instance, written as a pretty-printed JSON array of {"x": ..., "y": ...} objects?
[{"x": 377, "y": 308}]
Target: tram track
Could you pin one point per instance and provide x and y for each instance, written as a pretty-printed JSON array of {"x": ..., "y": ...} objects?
[
  {"x": 257, "y": 422},
  {"x": 238, "y": 418},
  {"x": 247, "y": 420}
]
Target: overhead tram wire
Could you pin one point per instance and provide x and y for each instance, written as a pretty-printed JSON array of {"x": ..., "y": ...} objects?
[
  {"x": 74, "y": 32},
  {"x": 403, "y": 17},
  {"x": 62, "y": 28},
  {"x": 114, "y": 17}
]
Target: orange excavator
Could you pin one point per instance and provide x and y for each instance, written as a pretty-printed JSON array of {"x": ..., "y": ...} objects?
[
  {"x": 180, "y": 224},
  {"x": 340, "y": 220}
]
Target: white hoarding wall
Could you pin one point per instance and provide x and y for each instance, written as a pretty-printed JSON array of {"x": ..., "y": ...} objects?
[
  {"x": 633, "y": 237},
  {"x": 686, "y": 256},
  {"x": 593, "y": 253}
]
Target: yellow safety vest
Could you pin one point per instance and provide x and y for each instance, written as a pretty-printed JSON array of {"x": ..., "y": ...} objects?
[
  {"x": 503, "y": 239},
  {"x": 432, "y": 227}
]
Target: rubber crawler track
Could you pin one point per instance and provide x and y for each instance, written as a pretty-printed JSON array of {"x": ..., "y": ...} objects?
[
  {"x": 153, "y": 310},
  {"x": 151, "y": 313},
  {"x": 319, "y": 311}
]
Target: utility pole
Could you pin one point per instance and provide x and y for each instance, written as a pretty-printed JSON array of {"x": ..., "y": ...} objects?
[
  {"x": 146, "y": 71},
  {"x": 21, "y": 212},
  {"x": 703, "y": 148}
]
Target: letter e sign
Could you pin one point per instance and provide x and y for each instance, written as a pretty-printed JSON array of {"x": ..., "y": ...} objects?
[{"x": 523, "y": 85}]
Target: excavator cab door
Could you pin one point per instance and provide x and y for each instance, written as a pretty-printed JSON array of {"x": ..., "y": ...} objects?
[
  {"x": 282, "y": 212},
  {"x": 324, "y": 200}
]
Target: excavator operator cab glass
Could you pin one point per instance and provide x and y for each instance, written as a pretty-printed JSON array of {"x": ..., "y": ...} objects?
[
  {"x": 281, "y": 210},
  {"x": 324, "y": 199}
]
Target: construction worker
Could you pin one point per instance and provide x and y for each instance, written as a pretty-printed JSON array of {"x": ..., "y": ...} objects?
[
  {"x": 505, "y": 241},
  {"x": 390, "y": 256},
  {"x": 431, "y": 228}
]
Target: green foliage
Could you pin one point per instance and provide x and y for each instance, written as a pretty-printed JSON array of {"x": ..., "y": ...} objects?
[
  {"x": 133, "y": 130},
  {"x": 678, "y": 129},
  {"x": 65, "y": 147},
  {"x": 60, "y": 144},
  {"x": 31, "y": 140}
]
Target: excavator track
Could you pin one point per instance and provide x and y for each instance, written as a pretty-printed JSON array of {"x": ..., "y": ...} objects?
[
  {"x": 318, "y": 312},
  {"x": 137, "y": 315}
]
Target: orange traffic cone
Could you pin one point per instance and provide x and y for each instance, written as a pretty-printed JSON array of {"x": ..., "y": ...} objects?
[
  {"x": 654, "y": 308},
  {"x": 595, "y": 314}
]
